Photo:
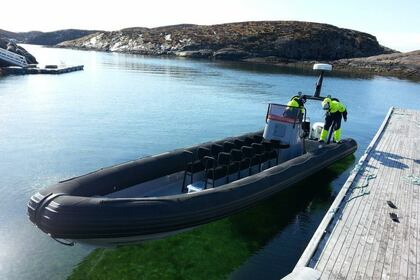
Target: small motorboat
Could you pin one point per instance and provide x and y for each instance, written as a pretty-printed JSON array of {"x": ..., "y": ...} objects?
[{"x": 164, "y": 194}]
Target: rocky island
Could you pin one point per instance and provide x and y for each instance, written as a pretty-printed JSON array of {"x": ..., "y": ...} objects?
[
  {"x": 289, "y": 43},
  {"x": 288, "y": 40}
]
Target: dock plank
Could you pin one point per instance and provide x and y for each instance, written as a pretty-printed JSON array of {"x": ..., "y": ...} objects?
[
  {"x": 382, "y": 233},
  {"x": 357, "y": 248},
  {"x": 358, "y": 239}
]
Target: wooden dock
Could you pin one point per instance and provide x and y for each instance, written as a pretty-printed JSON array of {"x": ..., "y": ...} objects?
[
  {"x": 16, "y": 70},
  {"x": 372, "y": 229}
]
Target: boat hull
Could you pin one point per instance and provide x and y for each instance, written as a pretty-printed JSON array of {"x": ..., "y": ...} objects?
[{"x": 78, "y": 209}]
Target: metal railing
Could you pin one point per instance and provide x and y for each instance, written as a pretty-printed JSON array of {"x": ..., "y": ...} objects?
[{"x": 13, "y": 58}]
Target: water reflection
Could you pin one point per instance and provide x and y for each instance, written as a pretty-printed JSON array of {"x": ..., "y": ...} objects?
[
  {"x": 288, "y": 70},
  {"x": 157, "y": 66}
]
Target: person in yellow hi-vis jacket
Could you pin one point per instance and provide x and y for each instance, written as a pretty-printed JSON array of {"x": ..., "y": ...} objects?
[
  {"x": 334, "y": 111},
  {"x": 298, "y": 101}
]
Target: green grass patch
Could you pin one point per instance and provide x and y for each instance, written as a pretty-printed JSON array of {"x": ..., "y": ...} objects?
[
  {"x": 214, "y": 250},
  {"x": 210, "y": 251}
]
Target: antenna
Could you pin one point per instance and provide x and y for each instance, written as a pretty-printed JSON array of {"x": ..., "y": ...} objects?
[{"x": 322, "y": 67}]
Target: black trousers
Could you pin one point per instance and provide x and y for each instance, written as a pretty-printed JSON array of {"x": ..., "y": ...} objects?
[{"x": 329, "y": 118}]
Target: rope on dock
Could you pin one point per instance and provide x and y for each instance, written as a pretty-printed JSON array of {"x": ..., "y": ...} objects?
[
  {"x": 412, "y": 179},
  {"x": 402, "y": 114},
  {"x": 367, "y": 176}
]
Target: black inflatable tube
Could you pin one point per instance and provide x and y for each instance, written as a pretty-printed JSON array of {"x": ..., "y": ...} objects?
[{"x": 68, "y": 210}]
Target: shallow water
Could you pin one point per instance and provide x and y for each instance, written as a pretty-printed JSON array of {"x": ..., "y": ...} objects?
[{"x": 123, "y": 107}]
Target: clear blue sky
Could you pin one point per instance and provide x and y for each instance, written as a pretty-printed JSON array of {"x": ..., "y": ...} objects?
[{"x": 396, "y": 24}]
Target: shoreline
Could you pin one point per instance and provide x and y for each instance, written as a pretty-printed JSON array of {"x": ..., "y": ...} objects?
[
  {"x": 360, "y": 66},
  {"x": 380, "y": 65},
  {"x": 397, "y": 72}
]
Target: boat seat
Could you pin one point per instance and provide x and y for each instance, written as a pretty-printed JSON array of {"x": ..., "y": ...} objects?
[
  {"x": 235, "y": 162},
  {"x": 248, "y": 141},
  {"x": 217, "y": 169},
  {"x": 260, "y": 156},
  {"x": 270, "y": 152},
  {"x": 239, "y": 143},
  {"x": 197, "y": 165},
  {"x": 215, "y": 149},
  {"x": 193, "y": 166},
  {"x": 228, "y": 146},
  {"x": 257, "y": 138},
  {"x": 247, "y": 156}
]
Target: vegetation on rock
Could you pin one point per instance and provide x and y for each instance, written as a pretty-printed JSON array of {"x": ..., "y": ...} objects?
[{"x": 290, "y": 40}]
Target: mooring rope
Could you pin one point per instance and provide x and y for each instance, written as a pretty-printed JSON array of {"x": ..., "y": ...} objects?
[
  {"x": 401, "y": 114},
  {"x": 412, "y": 179},
  {"x": 367, "y": 175}
]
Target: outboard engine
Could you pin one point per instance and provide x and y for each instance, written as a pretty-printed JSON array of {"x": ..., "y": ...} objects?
[
  {"x": 316, "y": 130},
  {"x": 284, "y": 124}
]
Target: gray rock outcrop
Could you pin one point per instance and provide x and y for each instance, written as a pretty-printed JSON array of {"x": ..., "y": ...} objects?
[
  {"x": 13, "y": 47},
  {"x": 396, "y": 64}
]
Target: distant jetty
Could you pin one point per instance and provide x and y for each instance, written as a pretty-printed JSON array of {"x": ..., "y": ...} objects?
[
  {"x": 15, "y": 60},
  {"x": 48, "y": 69}
]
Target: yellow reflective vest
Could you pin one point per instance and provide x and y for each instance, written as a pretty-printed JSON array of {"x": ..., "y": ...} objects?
[
  {"x": 294, "y": 103},
  {"x": 335, "y": 106}
]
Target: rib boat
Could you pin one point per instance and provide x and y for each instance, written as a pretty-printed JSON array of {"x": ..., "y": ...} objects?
[{"x": 160, "y": 195}]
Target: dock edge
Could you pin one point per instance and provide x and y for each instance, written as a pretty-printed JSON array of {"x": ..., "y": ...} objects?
[{"x": 329, "y": 216}]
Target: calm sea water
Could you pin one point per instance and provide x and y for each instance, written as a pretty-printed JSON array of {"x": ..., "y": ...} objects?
[{"x": 122, "y": 107}]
